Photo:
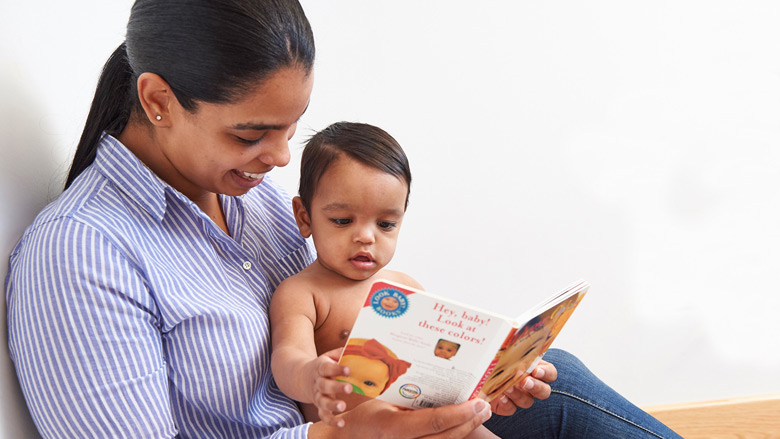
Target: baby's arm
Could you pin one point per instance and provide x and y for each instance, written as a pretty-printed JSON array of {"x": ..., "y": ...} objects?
[{"x": 299, "y": 372}]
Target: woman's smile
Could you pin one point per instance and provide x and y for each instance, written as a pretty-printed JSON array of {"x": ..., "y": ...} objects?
[
  {"x": 252, "y": 176},
  {"x": 246, "y": 180}
]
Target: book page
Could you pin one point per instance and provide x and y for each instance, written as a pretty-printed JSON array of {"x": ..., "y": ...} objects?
[
  {"x": 525, "y": 347},
  {"x": 421, "y": 350}
]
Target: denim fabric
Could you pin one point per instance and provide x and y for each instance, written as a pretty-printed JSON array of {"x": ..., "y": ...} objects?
[{"x": 581, "y": 406}]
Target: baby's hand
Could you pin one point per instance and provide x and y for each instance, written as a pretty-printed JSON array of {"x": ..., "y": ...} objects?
[{"x": 325, "y": 370}]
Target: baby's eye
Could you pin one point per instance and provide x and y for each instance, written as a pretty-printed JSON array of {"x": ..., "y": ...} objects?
[
  {"x": 369, "y": 383},
  {"x": 341, "y": 221},
  {"x": 386, "y": 225}
]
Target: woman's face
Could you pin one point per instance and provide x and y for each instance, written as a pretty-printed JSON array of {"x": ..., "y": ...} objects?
[{"x": 228, "y": 148}]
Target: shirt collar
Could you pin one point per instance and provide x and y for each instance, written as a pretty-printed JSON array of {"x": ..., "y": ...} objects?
[
  {"x": 131, "y": 176},
  {"x": 120, "y": 166}
]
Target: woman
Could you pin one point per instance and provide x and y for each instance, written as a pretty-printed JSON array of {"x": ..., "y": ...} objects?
[{"x": 137, "y": 301}]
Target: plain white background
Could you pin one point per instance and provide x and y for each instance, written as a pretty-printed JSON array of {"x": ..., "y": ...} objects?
[{"x": 633, "y": 144}]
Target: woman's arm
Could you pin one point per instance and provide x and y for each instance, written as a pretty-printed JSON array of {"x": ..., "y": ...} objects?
[{"x": 84, "y": 337}]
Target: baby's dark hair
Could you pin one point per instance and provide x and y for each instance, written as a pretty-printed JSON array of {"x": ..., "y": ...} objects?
[{"x": 369, "y": 145}]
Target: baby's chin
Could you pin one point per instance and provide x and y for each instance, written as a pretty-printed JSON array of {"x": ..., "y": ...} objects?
[{"x": 354, "y": 275}]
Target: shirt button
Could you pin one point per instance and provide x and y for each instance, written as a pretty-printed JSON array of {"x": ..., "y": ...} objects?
[{"x": 247, "y": 265}]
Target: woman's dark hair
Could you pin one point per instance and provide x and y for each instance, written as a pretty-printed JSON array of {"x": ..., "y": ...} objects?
[
  {"x": 207, "y": 50},
  {"x": 369, "y": 145}
]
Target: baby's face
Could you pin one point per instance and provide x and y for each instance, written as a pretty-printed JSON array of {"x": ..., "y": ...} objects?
[
  {"x": 389, "y": 303},
  {"x": 356, "y": 213},
  {"x": 445, "y": 350},
  {"x": 517, "y": 357},
  {"x": 370, "y": 376}
]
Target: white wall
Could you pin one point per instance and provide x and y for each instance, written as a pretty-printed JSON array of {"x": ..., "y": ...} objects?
[{"x": 632, "y": 144}]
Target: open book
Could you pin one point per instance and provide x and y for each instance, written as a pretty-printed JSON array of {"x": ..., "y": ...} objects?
[{"x": 414, "y": 349}]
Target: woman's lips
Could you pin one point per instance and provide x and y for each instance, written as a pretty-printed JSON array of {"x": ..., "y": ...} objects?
[
  {"x": 251, "y": 176},
  {"x": 246, "y": 179}
]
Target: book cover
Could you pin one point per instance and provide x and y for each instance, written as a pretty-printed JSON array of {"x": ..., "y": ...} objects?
[{"x": 416, "y": 349}]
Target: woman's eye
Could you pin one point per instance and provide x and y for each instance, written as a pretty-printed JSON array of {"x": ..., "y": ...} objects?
[
  {"x": 341, "y": 221},
  {"x": 386, "y": 225},
  {"x": 250, "y": 142}
]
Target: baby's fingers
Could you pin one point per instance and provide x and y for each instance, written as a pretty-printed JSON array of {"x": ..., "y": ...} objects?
[
  {"x": 327, "y": 408},
  {"x": 329, "y": 369},
  {"x": 324, "y": 386}
]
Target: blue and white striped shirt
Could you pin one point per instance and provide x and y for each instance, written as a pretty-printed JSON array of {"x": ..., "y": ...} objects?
[{"x": 131, "y": 314}]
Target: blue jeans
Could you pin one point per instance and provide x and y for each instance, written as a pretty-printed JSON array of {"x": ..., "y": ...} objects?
[{"x": 581, "y": 406}]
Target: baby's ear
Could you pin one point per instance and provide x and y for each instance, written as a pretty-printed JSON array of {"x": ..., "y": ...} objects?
[{"x": 301, "y": 217}]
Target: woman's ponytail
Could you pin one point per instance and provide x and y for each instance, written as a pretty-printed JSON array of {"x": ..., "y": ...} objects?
[{"x": 109, "y": 112}]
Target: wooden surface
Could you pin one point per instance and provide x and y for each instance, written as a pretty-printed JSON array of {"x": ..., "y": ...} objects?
[{"x": 738, "y": 418}]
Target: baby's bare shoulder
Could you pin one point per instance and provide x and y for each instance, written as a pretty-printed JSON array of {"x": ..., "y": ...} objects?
[
  {"x": 295, "y": 295},
  {"x": 304, "y": 293},
  {"x": 402, "y": 278},
  {"x": 294, "y": 285}
]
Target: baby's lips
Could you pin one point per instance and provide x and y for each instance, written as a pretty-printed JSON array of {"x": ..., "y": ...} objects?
[{"x": 362, "y": 258}]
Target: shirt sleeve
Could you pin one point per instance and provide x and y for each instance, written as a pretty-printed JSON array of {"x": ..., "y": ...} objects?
[
  {"x": 299, "y": 432},
  {"x": 83, "y": 334}
]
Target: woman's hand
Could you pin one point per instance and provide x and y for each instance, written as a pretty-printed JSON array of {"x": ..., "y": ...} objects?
[
  {"x": 378, "y": 419},
  {"x": 524, "y": 393}
]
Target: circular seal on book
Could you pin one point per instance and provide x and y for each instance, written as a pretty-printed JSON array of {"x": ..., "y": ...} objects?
[
  {"x": 389, "y": 302},
  {"x": 410, "y": 391}
]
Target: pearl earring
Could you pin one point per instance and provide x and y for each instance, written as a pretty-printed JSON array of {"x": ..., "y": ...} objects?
[{"x": 158, "y": 117}]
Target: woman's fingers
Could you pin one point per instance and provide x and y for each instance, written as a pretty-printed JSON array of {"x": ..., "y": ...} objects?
[
  {"x": 545, "y": 372},
  {"x": 503, "y": 406},
  {"x": 379, "y": 419},
  {"x": 523, "y": 394}
]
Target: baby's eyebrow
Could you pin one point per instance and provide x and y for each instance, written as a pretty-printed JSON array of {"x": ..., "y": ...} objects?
[
  {"x": 336, "y": 206},
  {"x": 346, "y": 206},
  {"x": 394, "y": 212}
]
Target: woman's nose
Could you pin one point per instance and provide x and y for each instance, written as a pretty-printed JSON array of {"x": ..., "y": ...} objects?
[{"x": 276, "y": 151}]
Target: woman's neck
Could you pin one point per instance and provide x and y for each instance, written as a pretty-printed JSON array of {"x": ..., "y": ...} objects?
[{"x": 142, "y": 142}]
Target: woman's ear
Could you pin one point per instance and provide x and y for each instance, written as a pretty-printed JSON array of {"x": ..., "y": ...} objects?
[
  {"x": 156, "y": 98},
  {"x": 301, "y": 217}
]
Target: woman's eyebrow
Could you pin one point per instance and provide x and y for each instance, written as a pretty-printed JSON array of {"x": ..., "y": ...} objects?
[
  {"x": 264, "y": 126},
  {"x": 257, "y": 126}
]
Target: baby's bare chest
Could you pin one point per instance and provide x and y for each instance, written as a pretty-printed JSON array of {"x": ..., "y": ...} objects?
[{"x": 334, "y": 329}]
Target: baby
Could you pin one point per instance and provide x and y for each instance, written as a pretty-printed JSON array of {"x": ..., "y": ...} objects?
[
  {"x": 446, "y": 349},
  {"x": 353, "y": 193}
]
